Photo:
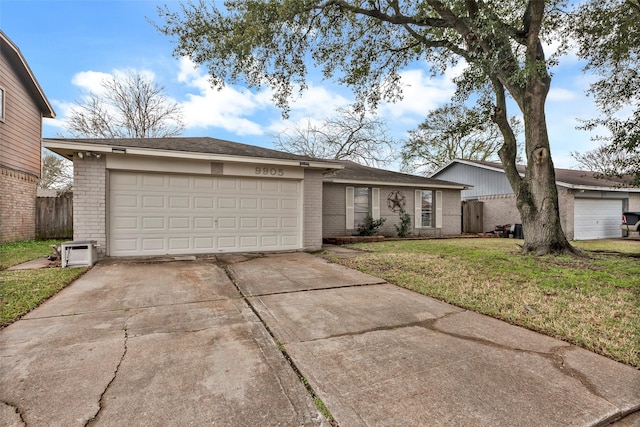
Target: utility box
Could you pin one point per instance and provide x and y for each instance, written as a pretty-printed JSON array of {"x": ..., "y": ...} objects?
[{"x": 78, "y": 253}]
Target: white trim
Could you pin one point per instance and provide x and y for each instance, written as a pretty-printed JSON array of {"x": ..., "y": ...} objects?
[
  {"x": 396, "y": 184},
  {"x": 417, "y": 209},
  {"x": 375, "y": 203},
  {"x": 153, "y": 152},
  {"x": 349, "y": 208},
  {"x": 3, "y": 95},
  {"x": 438, "y": 210},
  {"x": 32, "y": 77}
]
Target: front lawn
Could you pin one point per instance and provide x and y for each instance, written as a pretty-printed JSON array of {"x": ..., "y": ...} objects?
[
  {"x": 593, "y": 302},
  {"x": 23, "y": 290}
]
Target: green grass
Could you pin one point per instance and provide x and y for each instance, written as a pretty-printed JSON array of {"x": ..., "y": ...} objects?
[
  {"x": 16, "y": 253},
  {"x": 23, "y": 290},
  {"x": 593, "y": 301}
]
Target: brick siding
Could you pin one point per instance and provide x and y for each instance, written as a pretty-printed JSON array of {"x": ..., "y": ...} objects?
[
  {"x": 17, "y": 206},
  {"x": 499, "y": 209},
  {"x": 89, "y": 201},
  {"x": 334, "y": 212},
  {"x": 312, "y": 210}
]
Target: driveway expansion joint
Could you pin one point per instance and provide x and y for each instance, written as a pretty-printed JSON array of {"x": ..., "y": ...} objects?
[
  {"x": 280, "y": 347},
  {"x": 94, "y": 418}
]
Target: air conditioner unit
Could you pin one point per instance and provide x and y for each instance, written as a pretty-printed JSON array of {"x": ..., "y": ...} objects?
[{"x": 78, "y": 253}]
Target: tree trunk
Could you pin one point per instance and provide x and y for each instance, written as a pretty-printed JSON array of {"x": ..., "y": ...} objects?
[{"x": 536, "y": 192}]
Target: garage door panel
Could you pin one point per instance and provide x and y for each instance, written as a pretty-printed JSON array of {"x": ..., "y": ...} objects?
[
  {"x": 597, "y": 218},
  {"x": 203, "y": 202},
  {"x": 179, "y": 243},
  {"x": 151, "y": 181},
  {"x": 153, "y": 202},
  {"x": 155, "y": 214},
  {"x": 153, "y": 223},
  {"x": 124, "y": 201},
  {"x": 180, "y": 202},
  {"x": 204, "y": 243}
]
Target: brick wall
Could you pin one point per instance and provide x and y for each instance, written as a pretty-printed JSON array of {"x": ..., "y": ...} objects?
[
  {"x": 498, "y": 210},
  {"x": 501, "y": 209},
  {"x": 334, "y": 220},
  {"x": 566, "y": 203},
  {"x": 634, "y": 202},
  {"x": 17, "y": 205},
  {"x": 89, "y": 201},
  {"x": 312, "y": 210}
]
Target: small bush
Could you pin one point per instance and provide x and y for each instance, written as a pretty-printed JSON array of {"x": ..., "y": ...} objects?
[
  {"x": 370, "y": 226},
  {"x": 404, "y": 227}
]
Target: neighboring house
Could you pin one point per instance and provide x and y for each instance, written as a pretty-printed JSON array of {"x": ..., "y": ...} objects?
[
  {"x": 590, "y": 208},
  {"x": 22, "y": 107},
  {"x": 203, "y": 195}
]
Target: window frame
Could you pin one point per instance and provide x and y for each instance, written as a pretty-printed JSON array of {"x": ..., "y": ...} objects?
[
  {"x": 357, "y": 224},
  {"x": 429, "y": 211},
  {"x": 3, "y": 95}
]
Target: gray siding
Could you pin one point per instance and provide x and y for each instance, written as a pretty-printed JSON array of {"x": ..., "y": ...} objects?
[
  {"x": 484, "y": 181},
  {"x": 20, "y": 132}
]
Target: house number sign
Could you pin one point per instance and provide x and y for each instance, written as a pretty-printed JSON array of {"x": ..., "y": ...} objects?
[{"x": 269, "y": 171}]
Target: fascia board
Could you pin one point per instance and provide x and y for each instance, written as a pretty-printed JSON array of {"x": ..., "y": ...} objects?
[
  {"x": 79, "y": 146},
  {"x": 396, "y": 184}
]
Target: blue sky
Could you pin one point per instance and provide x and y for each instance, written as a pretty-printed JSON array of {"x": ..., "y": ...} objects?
[{"x": 72, "y": 44}]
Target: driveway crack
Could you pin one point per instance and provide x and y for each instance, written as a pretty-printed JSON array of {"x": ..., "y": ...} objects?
[
  {"x": 94, "y": 418},
  {"x": 17, "y": 409}
]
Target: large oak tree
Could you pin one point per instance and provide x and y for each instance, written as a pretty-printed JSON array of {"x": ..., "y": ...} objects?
[
  {"x": 366, "y": 44},
  {"x": 607, "y": 35}
]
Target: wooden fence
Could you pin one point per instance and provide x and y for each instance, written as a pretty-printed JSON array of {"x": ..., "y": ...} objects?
[
  {"x": 472, "y": 218},
  {"x": 54, "y": 217}
]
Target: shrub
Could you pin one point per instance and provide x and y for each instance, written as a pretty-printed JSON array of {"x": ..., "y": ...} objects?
[
  {"x": 370, "y": 226},
  {"x": 404, "y": 227}
]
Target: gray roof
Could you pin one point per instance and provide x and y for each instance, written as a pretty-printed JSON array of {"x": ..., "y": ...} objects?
[
  {"x": 354, "y": 172},
  {"x": 564, "y": 177},
  {"x": 204, "y": 145}
]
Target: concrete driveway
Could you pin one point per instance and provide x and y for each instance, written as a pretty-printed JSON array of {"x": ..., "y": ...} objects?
[{"x": 185, "y": 343}]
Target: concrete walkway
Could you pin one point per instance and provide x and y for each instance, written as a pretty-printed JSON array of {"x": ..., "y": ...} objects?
[{"x": 185, "y": 343}]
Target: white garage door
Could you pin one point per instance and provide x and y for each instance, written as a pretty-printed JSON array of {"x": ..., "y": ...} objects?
[
  {"x": 158, "y": 214},
  {"x": 597, "y": 218}
]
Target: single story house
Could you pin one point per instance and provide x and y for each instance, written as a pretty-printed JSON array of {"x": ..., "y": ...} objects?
[
  {"x": 590, "y": 207},
  {"x": 139, "y": 197}
]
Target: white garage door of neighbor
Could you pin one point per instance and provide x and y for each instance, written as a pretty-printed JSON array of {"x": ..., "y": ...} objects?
[
  {"x": 597, "y": 218},
  {"x": 159, "y": 214}
]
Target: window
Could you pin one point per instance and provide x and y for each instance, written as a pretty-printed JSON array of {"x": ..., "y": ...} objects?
[
  {"x": 1, "y": 104},
  {"x": 361, "y": 205},
  {"x": 427, "y": 208},
  {"x": 360, "y": 202}
]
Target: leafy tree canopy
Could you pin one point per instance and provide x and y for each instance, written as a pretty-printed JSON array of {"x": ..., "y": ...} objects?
[
  {"x": 453, "y": 131},
  {"x": 366, "y": 44},
  {"x": 608, "y": 37}
]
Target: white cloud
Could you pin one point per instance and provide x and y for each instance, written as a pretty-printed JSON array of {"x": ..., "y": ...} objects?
[
  {"x": 421, "y": 94},
  {"x": 227, "y": 108},
  {"x": 561, "y": 94},
  {"x": 90, "y": 81}
]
